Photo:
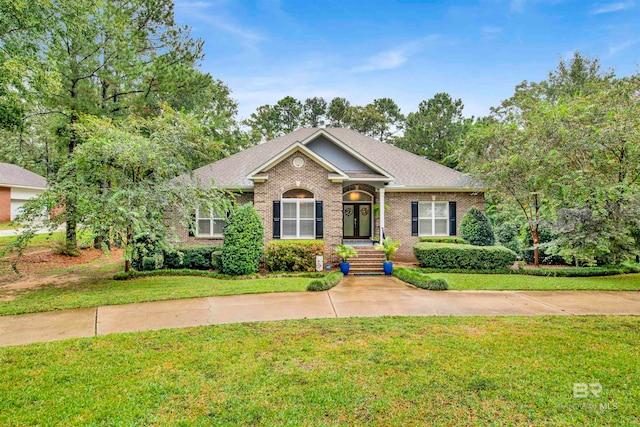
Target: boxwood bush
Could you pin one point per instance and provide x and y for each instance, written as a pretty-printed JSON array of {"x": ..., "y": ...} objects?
[
  {"x": 190, "y": 257},
  {"x": 326, "y": 283},
  {"x": 242, "y": 248},
  {"x": 293, "y": 255},
  {"x": 420, "y": 280},
  {"x": 452, "y": 256},
  {"x": 476, "y": 229}
]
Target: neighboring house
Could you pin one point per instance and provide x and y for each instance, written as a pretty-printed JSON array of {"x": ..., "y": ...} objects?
[
  {"x": 17, "y": 185},
  {"x": 329, "y": 183}
]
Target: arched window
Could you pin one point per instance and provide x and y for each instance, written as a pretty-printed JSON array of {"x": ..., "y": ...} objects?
[
  {"x": 297, "y": 193},
  {"x": 298, "y": 214},
  {"x": 357, "y": 196}
]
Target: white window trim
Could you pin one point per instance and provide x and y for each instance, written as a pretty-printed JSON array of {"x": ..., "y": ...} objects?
[
  {"x": 211, "y": 219},
  {"x": 433, "y": 219},
  {"x": 297, "y": 218}
]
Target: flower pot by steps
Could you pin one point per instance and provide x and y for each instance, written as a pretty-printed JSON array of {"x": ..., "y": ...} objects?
[
  {"x": 387, "y": 266},
  {"x": 344, "y": 268}
]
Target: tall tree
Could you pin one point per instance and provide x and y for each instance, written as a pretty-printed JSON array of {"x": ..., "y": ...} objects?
[
  {"x": 124, "y": 172},
  {"x": 567, "y": 142},
  {"x": 338, "y": 112},
  {"x": 289, "y": 112},
  {"x": 368, "y": 120},
  {"x": 315, "y": 111},
  {"x": 111, "y": 57},
  {"x": 393, "y": 116},
  {"x": 436, "y": 129}
]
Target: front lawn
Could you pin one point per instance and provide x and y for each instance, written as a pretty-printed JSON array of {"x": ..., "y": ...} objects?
[
  {"x": 110, "y": 292},
  {"x": 382, "y": 371},
  {"x": 521, "y": 282}
]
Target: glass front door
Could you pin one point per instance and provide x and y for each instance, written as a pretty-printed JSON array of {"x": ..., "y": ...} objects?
[{"x": 356, "y": 220}]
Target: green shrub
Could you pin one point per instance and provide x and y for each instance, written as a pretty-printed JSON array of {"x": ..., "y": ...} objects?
[
  {"x": 152, "y": 262},
  {"x": 444, "y": 255},
  {"x": 508, "y": 234},
  {"x": 242, "y": 247},
  {"x": 190, "y": 257},
  {"x": 416, "y": 278},
  {"x": 326, "y": 283},
  {"x": 476, "y": 229},
  {"x": 293, "y": 255},
  {"x": 457, "y": 240},
  {"x": 181, "y": 272},
  {"x": 216, "y": 259}
]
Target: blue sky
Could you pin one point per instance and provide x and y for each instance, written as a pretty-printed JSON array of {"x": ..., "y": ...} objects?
[{"x": 406, "y": 50}]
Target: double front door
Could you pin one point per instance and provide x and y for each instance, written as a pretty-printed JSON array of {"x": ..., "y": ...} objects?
[{"x": 356, "y": 220}]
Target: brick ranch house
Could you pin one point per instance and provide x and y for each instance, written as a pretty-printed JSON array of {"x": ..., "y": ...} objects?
[
  {"x": 329, "y": 184},
  {"x": 17, "y": 185}
]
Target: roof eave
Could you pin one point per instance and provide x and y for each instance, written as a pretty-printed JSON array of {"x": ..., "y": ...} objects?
[{"x": 410, "y": 188}]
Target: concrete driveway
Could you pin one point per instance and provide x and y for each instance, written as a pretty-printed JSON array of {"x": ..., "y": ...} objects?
[{"x": 354, "y": 297}]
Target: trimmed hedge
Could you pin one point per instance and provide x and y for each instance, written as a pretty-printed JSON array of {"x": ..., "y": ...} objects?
[
  {"x": 326, "y": 283},
  {"x": 446, "y": 255},
  {"x": 421, "y": 280},
  {"x": 190, "y": 257},
  {"x": 293, "y": 255},
  {"x": 457, "y": 240}
]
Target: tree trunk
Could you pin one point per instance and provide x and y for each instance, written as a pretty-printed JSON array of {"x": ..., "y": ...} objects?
[
  {"x": 536, "y": 250},
  {"x": 127, "y": 265}
]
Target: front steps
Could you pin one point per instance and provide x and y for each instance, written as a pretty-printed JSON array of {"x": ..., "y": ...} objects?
[{"x": 368, "y": 262}]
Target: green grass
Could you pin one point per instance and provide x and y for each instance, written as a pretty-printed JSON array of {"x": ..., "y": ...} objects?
[
  {"x": 343, "y": 372},
  {"x": 521, "y": 282},
  {"x": 38, "y": 239},
  {"x": 110, "y": 292},
  {"x": 8, "y": 225}
]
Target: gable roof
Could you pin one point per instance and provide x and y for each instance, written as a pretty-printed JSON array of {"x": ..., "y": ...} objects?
[
  {"x": 402, "y": 169},
  {"x": 15, "y": 176},
  {"x": 296, "y": 147}
]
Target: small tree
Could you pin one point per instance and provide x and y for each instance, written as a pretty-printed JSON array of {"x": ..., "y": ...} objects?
[
  {"x": 243, "y": 242},
  {"x": 476, "y": 228}
]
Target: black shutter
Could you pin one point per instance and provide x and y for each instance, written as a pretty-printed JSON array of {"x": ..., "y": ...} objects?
[
  {"x": 414, "y": 218},
  {"x": 276, "y": 219},
  {"x": 452, "y": 218},
  {"x": 192, "y": 224},
  {"x": 319, "y": 222}
]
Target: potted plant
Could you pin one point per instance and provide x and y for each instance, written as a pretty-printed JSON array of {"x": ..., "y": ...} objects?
[
  {"x": 345, "y": 252},
  {"x": 389, "y": 247}
]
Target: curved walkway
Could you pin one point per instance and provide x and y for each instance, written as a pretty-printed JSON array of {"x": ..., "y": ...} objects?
[{"x": 354, "y": 297}]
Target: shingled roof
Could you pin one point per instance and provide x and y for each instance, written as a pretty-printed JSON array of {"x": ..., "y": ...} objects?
[
  {"x": 407, "y": 169},
  {"x": 15, "y": 176}
]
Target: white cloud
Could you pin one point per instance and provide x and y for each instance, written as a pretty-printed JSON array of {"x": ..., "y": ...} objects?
[
  {"x": 622, "y": 46},
  {"x": 491, "y": 33},
  {"x": 613, "y": 7},
  {"x": 383, "y": 61},
  {"x": 393, "y": 58},
  {"x": 517, "y": 6},
  {"x": 203, "y": 11}
]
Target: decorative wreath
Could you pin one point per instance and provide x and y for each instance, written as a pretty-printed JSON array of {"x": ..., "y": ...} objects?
[{"x": 348, "y": 212}]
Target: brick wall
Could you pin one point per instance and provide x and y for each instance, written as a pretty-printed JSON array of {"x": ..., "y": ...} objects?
[
  {"x": 312, "y": 177},
  {"x": 5, "y": 204},
  {"x": 398, "y": 216},
  {"x": 185, "y": 239}
]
